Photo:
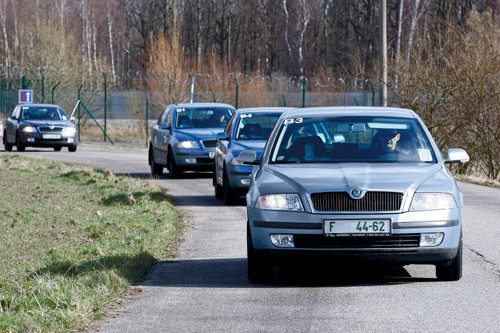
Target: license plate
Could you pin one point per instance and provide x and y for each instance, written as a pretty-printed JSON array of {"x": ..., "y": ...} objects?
[
  {"x": 357, "y": 227},
  {"x": 211, "y": 154},
  {"x": 52, "y": 136}
]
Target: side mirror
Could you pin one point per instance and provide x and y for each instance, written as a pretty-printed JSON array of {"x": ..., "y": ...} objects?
[
  {"x": 455, "y": 155},
  {"x": 164, "y": 126},
  {"x": 248, "y": 157},
  {"x": 73, "y": 119},
  {"x": 221, "y": 136}
]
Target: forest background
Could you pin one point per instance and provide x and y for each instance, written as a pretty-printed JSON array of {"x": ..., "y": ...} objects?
[{"x": 444, "y": 59}]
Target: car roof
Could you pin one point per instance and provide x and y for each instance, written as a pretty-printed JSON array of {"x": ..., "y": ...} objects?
[
  {"x": 350, "y": 111},
  {"x": 263, "y": 109},
  {"x": 201, "y": 105},
  {"x": 39, "y": 105}
]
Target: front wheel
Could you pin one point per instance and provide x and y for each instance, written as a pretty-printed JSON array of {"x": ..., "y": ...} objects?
[
  {"x": 229, "y": 194},
  {"x": 72, "y": 149},
  {"x": 173, "y": 170},
  {"x": 7, "y": 146},
  {"x": 451, "y": 270},
  {"x": 259, "y": 269},
  {"x": 58, "y": 148},
  {"x": 219, "y": 193},
  {"x": 19, "y": 145},
  {"x": 156, "y": 170}
]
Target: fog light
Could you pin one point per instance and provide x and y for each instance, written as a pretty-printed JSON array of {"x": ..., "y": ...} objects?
[
  {"x": 282, "y": 240},
  {"x": 245, "y": 181},
  {"x": 191, "y": 160},
  {"x": 433, "y": 239},
  {"x": 70, "y": 140},
  {"x": 31, "y": 139}
]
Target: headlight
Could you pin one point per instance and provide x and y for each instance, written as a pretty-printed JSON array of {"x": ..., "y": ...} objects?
[
  {"x": 69, "y": 131},
  {"x": 432, "y": 201},
  {"x": 29, "y": 129},
  {"x": 279, "y": 202},
  {"x": 188, "y": 145}
]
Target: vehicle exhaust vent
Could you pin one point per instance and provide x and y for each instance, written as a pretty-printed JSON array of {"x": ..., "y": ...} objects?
[{"x": 370, "y": 202}]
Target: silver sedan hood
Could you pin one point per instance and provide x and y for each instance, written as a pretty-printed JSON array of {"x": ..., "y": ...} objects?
[{"x": 303, "y": 178}]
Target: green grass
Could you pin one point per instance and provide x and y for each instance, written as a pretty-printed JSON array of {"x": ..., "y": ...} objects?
[{"x": 70, "y": 244}]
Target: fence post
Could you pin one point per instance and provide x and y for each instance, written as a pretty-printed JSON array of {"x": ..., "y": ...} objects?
[
  {"x": 23, "y": 82},
  {"x": 79, "y": 99},
  {"x": 105, "y": 104},
  {"x": 373, "y": 93},
  {"x": 43, "y": 86},
  {"x": 304, "y": 84},
  {"x": 284, "y": 100},
  {"x": 147, "y": 117},
  {"x": 53, "y": 91},
  {"x": 237, "y": 86}
]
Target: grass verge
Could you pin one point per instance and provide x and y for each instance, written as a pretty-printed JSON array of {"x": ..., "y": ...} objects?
[{"x": 73, "y": 242}]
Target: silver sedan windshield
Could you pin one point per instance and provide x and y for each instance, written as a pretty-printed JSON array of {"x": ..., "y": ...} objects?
[{"x": 351, "y": 139}]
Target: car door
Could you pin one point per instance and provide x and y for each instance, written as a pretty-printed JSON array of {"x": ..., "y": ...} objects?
[
  {"x": 158, "y": 138},
  {"x": 222, "y": 148},
  {"x": 12, "y": 124}
]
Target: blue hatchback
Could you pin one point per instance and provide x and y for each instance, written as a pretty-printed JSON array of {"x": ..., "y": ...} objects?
[
  {"x": 247, "y": 129},
  {"x": 184, "y": 137}
]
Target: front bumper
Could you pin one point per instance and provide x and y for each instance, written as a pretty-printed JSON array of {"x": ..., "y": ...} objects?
[
  {"x": 401, "y": 246},
  {"x": 38, "y": 140},
  {"x": 239, "y": 176},
  {"x": 195, "y": 159}
]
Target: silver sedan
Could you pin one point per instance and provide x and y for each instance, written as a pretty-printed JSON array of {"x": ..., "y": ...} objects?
[{"x": 353, "y": 183}]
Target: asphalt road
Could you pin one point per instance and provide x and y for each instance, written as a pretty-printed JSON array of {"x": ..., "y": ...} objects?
[{"x": 205, "y": 289}]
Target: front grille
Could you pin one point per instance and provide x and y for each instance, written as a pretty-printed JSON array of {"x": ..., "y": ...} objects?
[
  {"x": 47, "y": 129},
  {"x": 342, "y": 202},
  {"x": 356, "y": 242},
  {"x": 210, "y": 143}
]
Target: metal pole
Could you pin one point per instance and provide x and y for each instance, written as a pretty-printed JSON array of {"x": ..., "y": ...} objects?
[
  {"x": 53, "y": 91},
  {"x": 304, "y": 84},
  {"x": 192, "y": 88},
  {"x": 284, "y": 100},
  {"x": 147, "y": 118},
  {"x": 79, "y": 99},
  {"x": 383, "y": 50},
  {"x": 237, "y": 86},
  {"x": 43, "y": 86},
  {"x": 105, "y": 103}
]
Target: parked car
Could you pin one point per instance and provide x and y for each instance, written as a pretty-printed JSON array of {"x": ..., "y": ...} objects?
[
  {"x": 184, "y": 137},
  {"x": 373, "y": 187},
  {"x": 247, "y": 129},
  {"x": 39, "y": 125}
]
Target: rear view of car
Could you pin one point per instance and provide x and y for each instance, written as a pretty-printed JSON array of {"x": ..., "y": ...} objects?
[
  {"x": 364, "y": 184},
  {"x": 247, "y": 129},
  {"x": 39, "y": 125}
]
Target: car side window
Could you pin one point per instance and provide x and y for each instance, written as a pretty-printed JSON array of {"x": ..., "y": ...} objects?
[
  {"x": 15, "y": 113},
  {"x": 163, "y": 116},
  {"x": 230, "y": 125},
  {"x": 170, "y": 117}
]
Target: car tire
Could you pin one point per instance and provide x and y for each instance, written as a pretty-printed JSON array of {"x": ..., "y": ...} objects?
[
  {"x": 57, "y": 148},
  {"x": 156, "y": 170},
  {"x": 259, "y": 269},
  {"x": 451, "y": 270},
  {"x": 219, "y": 192},
  {"x": 19, "y": 145},
  {"x": 173, "y": 170},
  {"x": 72, "y": 149},
  {"x": 229, "y": 194},
  {"x": 7, "y": 146}
]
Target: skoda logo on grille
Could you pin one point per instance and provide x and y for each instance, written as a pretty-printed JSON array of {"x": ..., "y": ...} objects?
[
  {"x": 356, "y": 193},
  {"x": 51, "y": 127}
]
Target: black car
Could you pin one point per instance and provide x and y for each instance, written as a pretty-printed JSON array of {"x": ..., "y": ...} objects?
[{"x": 39, "y": 125}]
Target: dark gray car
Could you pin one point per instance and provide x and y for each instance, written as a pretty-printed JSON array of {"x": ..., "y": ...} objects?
[{"x": 39, "y": 125}]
